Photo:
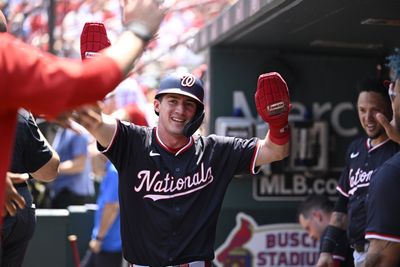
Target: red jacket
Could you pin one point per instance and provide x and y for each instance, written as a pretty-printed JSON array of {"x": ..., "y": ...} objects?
[{"x": 45, "y": 84}]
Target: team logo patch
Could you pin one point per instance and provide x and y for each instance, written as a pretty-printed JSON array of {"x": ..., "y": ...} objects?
[{"x": 188, "y": 80}]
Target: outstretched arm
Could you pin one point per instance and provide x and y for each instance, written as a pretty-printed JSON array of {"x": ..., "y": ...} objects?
[
  {"x": 101, "y": 126},
  {"x": 270, "y": 152},
  {"x": 65, "y": 83}
]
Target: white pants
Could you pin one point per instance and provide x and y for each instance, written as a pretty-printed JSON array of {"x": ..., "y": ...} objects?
[{"x": 359, "y": 257}]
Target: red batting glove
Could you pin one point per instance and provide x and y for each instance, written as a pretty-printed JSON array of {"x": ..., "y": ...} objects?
[
  {"x": 93, "y": 39},
  {"x": 273, "y": 105}
]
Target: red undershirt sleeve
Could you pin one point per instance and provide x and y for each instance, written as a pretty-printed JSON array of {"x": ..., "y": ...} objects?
[{"x": 47, "y": 84}]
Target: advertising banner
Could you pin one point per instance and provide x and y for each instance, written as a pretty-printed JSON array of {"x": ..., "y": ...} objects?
[{"x": 250, "y": 245}]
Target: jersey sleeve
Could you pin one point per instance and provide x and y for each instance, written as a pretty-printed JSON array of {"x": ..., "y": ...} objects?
[
  {"x": 37, "y": 153},
  {"x": 238, "y": 152},
  {"x": 123, "y": 138},
  {"x": 48, "y": 84},
  {"x": 383, "y": 217},
  {"x": 30, "y": 150}
]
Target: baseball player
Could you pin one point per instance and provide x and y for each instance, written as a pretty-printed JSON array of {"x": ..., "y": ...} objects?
[
  {"x": 172, "y": 181},
  {"x": 31, "y": 154},
  {"x": 383, "y": 221},
  {"x": 51, "y": 85},
  {"x": 363, "y": 157},
  {"x": 314, "y": 214}
]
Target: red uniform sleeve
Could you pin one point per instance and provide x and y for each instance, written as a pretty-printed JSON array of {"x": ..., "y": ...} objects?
[{"x": 47, "y": 84}]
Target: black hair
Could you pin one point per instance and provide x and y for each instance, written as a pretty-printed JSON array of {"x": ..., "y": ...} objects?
[
  {"x": 370, "y": 84},
  {"x": 312, "y": 202},
  {"x": 378, "y": 86}
]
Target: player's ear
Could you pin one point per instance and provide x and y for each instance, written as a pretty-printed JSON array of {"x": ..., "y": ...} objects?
[
  {"x": 317, "y": 215},
  {"x": 156, "y": 104}
]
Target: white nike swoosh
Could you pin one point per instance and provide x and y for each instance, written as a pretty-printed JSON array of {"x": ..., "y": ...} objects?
[
  {"x": 153, "y": 154},
  {"x": 354, "y": 155}
]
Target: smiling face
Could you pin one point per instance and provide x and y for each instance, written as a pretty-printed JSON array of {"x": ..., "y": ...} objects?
[
  {"x": 368, "y": 105},
  {"x": 175, "y": 111}
]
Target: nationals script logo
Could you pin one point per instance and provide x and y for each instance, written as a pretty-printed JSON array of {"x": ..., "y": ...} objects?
[
  {"x": 171, "y": 187},
  {"x": 359, "y": 179}
]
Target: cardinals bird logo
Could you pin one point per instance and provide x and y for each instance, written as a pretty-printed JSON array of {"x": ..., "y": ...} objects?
[{"x": 239, "y": 237}]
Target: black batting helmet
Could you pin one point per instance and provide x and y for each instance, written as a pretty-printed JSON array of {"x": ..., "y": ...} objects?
[{"x": 185, "y": 84}]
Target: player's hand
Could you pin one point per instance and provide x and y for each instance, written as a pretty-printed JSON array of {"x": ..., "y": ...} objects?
[
  {"x": 273, "y": 105},
  {"x": 146, "y": 12},
  {"x": 390, "y": 127},
  {"x": 89, "y": 116},
  {"x": 13, "y": 200},
  {"x": 18, "y": 178},
  {"x": 65, "y": 120},
  {"x": 95, "y": 245},
  {"x": 325, "y": 260}
]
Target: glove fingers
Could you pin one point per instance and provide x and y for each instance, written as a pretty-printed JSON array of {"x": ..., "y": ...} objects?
[
  {"x": 279, "y": 95},
  {"x": 272, "y": 95},
  {"x": 93, "y": 39}
]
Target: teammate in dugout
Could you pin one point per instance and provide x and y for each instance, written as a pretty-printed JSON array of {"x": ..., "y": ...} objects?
[
  {"x": 383, "y": 221},
  {"x": 364, "y": 156},
  {"x": 172, "y": 181},
  {"x": 314, "y": 214}
]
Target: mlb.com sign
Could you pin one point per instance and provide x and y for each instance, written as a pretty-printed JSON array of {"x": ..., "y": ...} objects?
[{"x": 274, "y": 245}]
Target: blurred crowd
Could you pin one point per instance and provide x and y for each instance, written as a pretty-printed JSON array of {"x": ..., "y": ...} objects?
[{"x": 30, "y": 21}]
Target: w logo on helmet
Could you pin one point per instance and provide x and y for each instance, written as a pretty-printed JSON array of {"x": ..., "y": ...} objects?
[{"x": 188, "y": 80}]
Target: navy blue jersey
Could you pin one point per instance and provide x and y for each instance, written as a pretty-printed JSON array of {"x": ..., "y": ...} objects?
[
  {"x": 383, "y": 202},
  {"x": 170, "y": 201},
  {"x": 361, "y": 161}
]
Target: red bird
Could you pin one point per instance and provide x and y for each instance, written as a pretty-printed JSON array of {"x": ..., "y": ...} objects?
[{"x": 239, "y": 238}]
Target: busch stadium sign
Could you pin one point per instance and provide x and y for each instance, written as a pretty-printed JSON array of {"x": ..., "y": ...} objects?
[{"x": 274, "y": 245}]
